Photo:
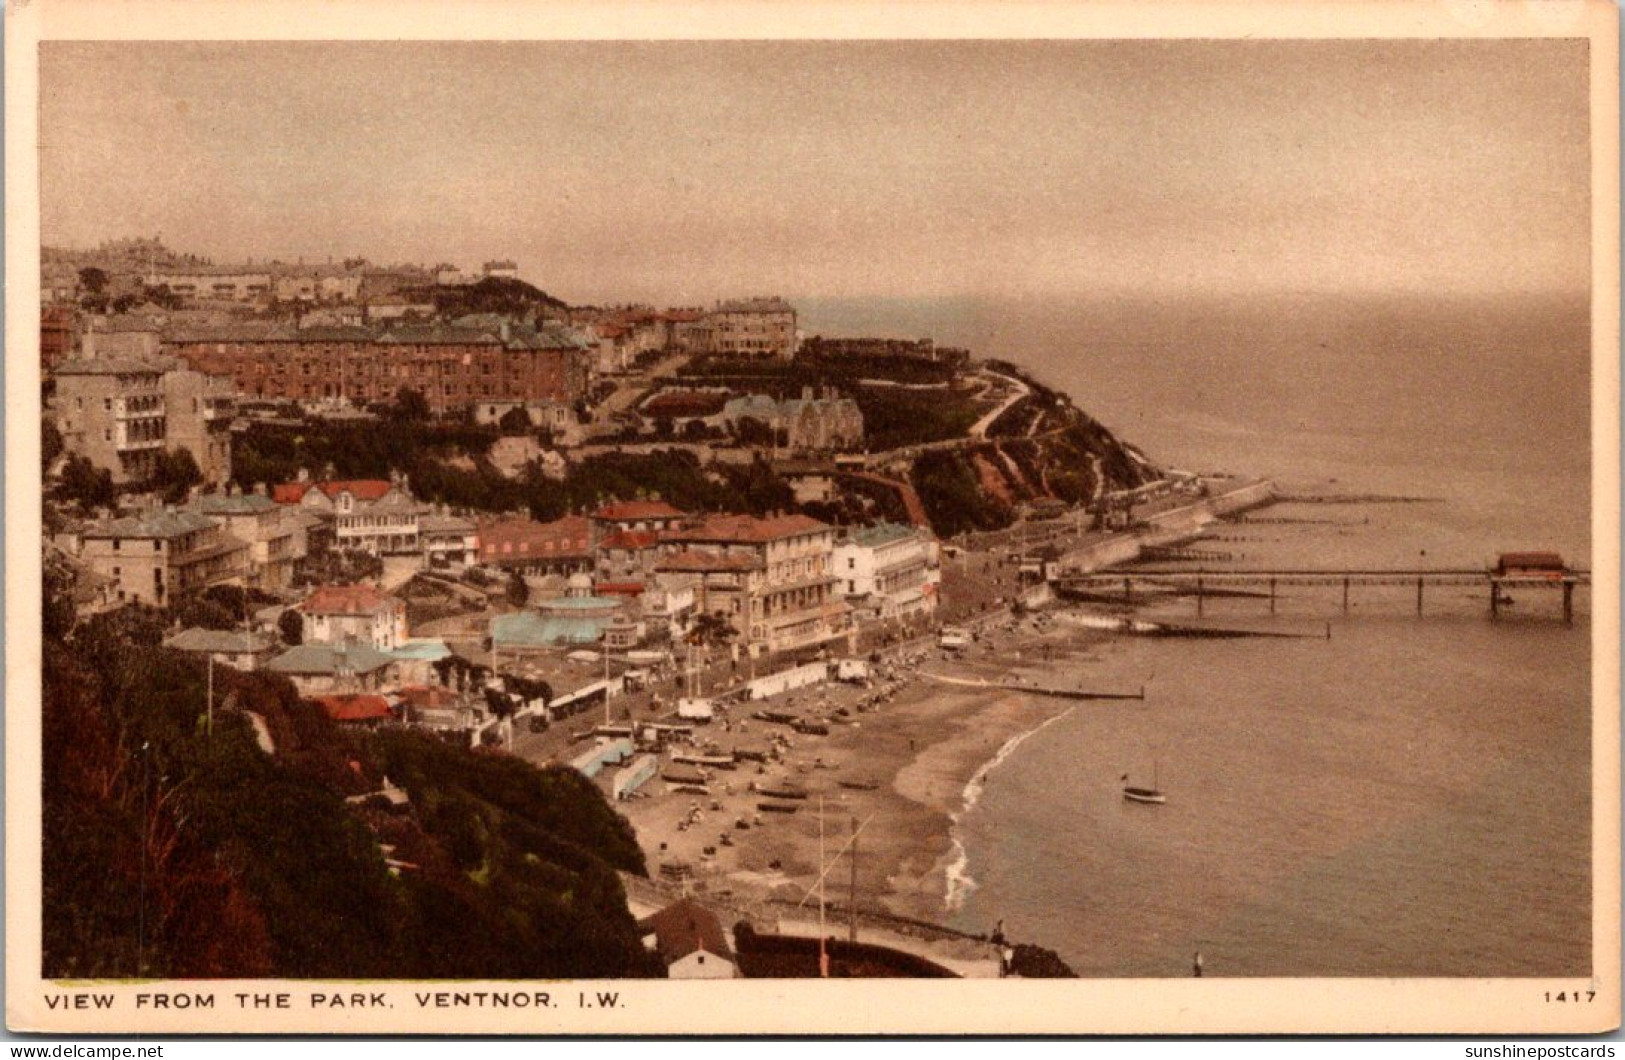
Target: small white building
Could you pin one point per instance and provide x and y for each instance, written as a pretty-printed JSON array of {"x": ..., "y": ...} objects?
[
  {"x": 354, "y": 614},
  {"x": 690, "y": 940},
  {"x": 886, "y": 571},
  {"x": 449, "y": 540}
]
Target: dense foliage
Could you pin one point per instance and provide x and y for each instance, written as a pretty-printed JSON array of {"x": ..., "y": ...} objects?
[
  {"x": 953, "y": 496},
  {"x": 174, "y": 847},
  {"x": 894, "y": 417},
  {"x": 268, "y": 453},
  {"x": 494, "y": 294},
  {"x": 787, "y": 377},
  {"x": 85, "y": 484},
  {"x": 272, "y": 453}
]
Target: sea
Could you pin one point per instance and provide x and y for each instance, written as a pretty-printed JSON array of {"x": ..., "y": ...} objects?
[{"x": 1379, "y": 794}]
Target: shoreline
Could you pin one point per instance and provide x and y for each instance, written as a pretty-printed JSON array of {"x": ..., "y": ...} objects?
[
  {"x": 959, "y": 882},
  {"x": 928, "y": 752}
]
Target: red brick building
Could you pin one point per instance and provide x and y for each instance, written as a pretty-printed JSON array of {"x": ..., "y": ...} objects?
[
  {"x": 453, "y": 367},
  {"x": 55, "y": 335},
  {"x": 563, "y": 546}
]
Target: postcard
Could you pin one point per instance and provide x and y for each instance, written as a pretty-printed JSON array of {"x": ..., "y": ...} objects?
[{"x": 585, "y": 519}]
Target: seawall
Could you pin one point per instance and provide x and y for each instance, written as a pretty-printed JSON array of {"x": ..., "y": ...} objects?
[{"x": 1167, "y": 528}]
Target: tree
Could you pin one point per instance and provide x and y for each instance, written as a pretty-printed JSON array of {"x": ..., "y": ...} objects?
[
  {"x": 515, "y": 421},
  {"x": 711, "y": 629},
  {"x": 88, "y": 484},
  {"x": 162, "y": 296},
  {"x": 57, "y": 615},
  {"x": 753, "y": 432},
  {"x": 93, "y": 279},
  {"x": 410, "y": 404},
  {"x": 195, "y": 610},
  {"x": 291, "y": 625},
  {"x": 175, "y": 472},
  {"x": 50, "y": 443},
  {"x": 500, "y": 704},
  {"x": 518, "y": 594}
]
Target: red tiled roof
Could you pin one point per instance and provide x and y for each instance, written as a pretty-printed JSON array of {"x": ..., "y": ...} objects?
[
  {"x": 364, "y": 489},
  {"x": 425, "y": 697},
  {"x": 685, "y": 927},
  {"x": 347, "y": 600},
  {"x": 625, "y": 511},
  {"x": 354, "y": 708},
  {"x": 690, "y": 559},
  {"x": 749, "y": 529},
  {"x": 685, "y": 403},
  {"x": 618, "y": 588},
  {"x": 631, "y": 540},
  {"x": 289, "y": 492},
  {"x": 516, "y": 540}
]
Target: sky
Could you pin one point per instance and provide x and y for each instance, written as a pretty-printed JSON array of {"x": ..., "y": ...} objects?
[{"x": 681, "y": 172}]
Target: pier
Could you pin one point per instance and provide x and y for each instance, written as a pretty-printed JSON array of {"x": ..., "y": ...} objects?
[{"x": 1265, "y": 583}]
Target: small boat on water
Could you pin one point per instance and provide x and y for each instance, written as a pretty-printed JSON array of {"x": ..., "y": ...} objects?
[
  {"x": 1151, "y": 796},
  {"x": 1147, "y": 795}
]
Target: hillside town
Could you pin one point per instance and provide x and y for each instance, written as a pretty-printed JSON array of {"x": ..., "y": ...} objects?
[{"x": 665, "y": 548}]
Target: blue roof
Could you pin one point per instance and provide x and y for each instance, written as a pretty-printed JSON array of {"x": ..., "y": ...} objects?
[
  {"x": 426, "y": 650},
  {"x": 528, "y": 629}
]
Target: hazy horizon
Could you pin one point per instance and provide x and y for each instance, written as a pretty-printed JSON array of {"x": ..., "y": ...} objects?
[{"x": 682, "y": 172}]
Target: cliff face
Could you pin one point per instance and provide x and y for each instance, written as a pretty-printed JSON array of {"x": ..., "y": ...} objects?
[
  {"x": 981, "y": 485},
  {"x": 175, "y": 848}
]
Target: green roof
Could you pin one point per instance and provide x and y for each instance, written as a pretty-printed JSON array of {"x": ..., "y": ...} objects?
[
  {"x": 329, "y": 659},
  {"x": 162, "y": 524},
  {"x": 882, "y": 534},
  {"x": 219, "y": 641},
  {"x": 583, "y": 603},
  {"x": 225, "y": 504}
]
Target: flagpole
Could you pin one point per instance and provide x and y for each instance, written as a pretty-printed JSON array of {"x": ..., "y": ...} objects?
[{"x": 823, "y": 955}]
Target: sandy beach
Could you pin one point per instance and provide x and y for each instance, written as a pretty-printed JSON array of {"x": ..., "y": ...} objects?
[{"x": 898, "y": 770}]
